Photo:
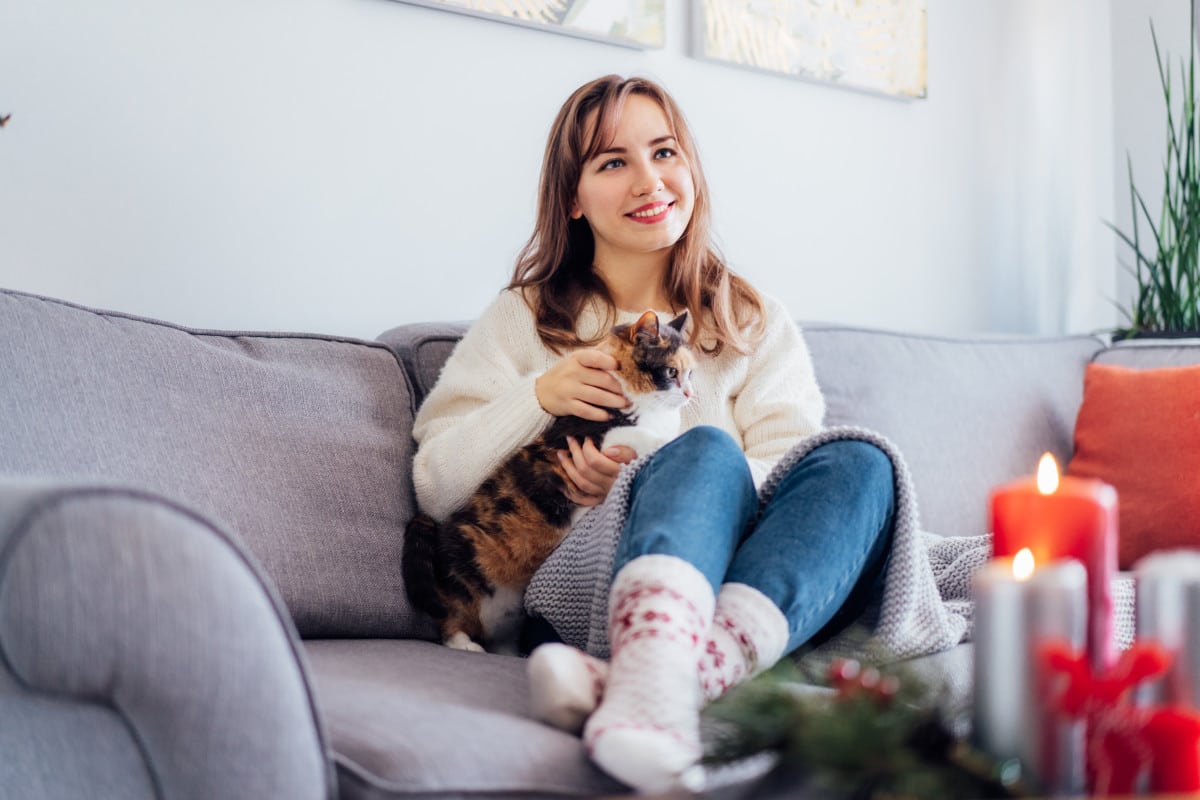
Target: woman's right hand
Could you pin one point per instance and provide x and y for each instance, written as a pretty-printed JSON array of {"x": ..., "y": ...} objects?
[{"x": 580, "y": 385}]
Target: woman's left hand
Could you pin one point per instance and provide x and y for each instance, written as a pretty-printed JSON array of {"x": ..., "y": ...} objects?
[{"x": 592, "y": 472}]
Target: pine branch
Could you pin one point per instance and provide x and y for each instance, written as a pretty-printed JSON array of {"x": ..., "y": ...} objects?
[{"x": 878, "y": 734}]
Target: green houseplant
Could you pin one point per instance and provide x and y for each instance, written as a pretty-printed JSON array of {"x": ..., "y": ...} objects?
[{"x": 1167, "y": 258}]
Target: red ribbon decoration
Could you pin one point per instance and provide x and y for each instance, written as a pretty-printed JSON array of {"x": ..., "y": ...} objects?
[{"x": 1122, "y": 739}]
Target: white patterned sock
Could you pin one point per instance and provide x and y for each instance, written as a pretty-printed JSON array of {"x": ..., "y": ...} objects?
[
  {"x": 748, "y": 635},
  {"x": 646, "y": 732}
]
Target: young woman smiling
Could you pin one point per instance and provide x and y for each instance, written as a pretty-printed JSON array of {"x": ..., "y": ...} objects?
[{"x": 707, "y": 589}]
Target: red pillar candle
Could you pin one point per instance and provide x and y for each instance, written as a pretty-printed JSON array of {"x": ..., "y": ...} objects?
[{"x": 1065, "y": 517}]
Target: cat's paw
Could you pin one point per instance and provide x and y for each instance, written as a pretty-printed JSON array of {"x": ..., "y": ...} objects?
[{"x": 460, "y": 641}]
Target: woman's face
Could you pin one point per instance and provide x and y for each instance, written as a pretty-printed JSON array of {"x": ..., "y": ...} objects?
[{"x": 637, "y": 196}]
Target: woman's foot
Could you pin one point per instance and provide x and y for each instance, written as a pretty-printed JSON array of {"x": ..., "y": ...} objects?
[
  {"x": 566, "y": 685},
  {"x": 748, "y": 635},
  {"x": 646, "y": 732}
]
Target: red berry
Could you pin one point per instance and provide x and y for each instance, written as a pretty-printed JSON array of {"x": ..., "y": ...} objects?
[{"x": 844, "y": 670}]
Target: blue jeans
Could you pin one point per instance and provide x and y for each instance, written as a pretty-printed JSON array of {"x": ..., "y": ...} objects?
[{"x": 818, "y": 550}]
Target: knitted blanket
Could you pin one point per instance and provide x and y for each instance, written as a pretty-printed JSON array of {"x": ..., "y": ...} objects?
[{"x": 925, "y": 605}]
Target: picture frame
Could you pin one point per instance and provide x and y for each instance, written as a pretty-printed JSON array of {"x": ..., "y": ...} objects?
[
  {"x": 639, "y": 24},
  {"x": 876, "y": 46}
]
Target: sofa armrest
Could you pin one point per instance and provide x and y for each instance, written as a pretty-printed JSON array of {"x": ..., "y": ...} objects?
[{"x": 121, "y": 598}]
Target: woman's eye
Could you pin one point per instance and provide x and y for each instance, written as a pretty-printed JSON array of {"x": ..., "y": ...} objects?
[
  {"x": 664, "y": 152},
  {"x": 612, "y": 163}
]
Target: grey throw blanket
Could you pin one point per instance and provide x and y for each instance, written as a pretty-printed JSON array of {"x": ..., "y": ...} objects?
[{"x": 925, "y": 606}]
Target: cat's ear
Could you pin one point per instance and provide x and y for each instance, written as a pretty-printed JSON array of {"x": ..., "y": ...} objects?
[
  {"x": 645, "y": 327},
  {"x": 679, "y": 322}
]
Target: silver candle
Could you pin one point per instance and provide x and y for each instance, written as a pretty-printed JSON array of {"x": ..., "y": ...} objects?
[
  {"x": 1168, "y": 595},
  {"x": 1013, "y": 714}
]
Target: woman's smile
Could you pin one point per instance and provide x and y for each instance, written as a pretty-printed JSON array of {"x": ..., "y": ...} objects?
[{"x": 651, "y": 213}]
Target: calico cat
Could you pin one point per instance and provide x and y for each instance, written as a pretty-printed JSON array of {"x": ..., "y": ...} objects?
[{"x": 470, "y": 573}]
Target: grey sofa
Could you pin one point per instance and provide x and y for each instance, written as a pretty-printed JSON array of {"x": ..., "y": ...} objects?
[{"x": 200, "y": 538}]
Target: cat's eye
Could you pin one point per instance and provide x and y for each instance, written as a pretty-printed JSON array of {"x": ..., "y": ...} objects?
[{"x": 672, "y": 373}]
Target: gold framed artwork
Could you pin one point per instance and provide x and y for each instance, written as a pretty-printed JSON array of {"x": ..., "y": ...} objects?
[
  {"x": 632, "y": 23},
  {"x": 870, "y": 45}
]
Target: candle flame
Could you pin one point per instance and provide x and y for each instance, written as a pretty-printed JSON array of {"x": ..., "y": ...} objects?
[
  {"x": 1022, "y": 565},
  {"x": 1047, "y": 475}
]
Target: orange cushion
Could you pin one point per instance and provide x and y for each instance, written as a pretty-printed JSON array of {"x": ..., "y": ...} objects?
[{"x": 1139, "y": 429}]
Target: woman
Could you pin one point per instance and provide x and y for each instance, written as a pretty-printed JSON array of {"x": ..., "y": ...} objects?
[{"x": 706, "y": 591}]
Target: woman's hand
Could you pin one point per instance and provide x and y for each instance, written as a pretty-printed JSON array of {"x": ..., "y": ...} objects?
[
  {"x": 593, "y": 473},
  {"x": 580, "y": 385}
]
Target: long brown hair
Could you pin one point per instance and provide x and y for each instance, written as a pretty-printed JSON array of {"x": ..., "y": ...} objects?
[{"x": 554, "y": 268}]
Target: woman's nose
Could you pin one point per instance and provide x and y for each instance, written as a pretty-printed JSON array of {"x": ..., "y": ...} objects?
[{"x": 648, "y": 182}]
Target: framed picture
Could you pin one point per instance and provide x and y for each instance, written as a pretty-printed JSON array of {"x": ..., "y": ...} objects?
[
  {"x": 870, "y": 45},
  {"x": 632, "y": 23}
]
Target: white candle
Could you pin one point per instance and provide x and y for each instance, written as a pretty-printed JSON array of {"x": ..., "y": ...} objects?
[
  {"x": 1015, "y": 611},
  {"x": 1168, "y": 596}
]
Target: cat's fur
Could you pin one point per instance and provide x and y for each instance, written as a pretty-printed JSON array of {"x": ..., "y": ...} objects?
[{"x": 470, "y": 573}]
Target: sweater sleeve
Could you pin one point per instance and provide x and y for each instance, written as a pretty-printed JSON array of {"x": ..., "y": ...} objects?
[
  {"x": 779, "y": 403},
  {"x": 482, "y": 408}
]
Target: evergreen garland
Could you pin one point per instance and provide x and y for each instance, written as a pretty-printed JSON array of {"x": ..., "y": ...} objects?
[{"x": 876, "y": 735}]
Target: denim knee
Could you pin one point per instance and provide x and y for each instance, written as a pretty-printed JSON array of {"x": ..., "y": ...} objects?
[
  {"x": 862, "y": 459},
  {"x": 707, "y": 440}
]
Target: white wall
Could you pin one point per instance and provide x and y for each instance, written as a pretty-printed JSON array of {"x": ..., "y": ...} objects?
[
  {"x": 1140, "y": 115},
  {"x": 346, "y": 165}
]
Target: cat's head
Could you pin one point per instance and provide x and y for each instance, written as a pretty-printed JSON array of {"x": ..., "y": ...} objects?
[{"x": 654, "y": 363}]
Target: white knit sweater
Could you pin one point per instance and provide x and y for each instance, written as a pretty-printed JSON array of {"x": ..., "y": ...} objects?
[{"x": 484, "y": 406}]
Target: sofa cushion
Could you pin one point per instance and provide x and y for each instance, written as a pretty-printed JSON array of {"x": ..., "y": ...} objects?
[
  {"x": 410, "y": 718},
  {"x": 968, "y": 413},
  {"x": 415, "y": 719},
  {"x": 300, "y": 444},
  {"x": 1138, "y": 429}
]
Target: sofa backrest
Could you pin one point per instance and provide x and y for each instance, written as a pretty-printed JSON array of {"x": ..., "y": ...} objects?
[
  {"x": 423, "y": 347},
  {"x": 1152, "y": 353},
  {"x": 968, "y": 413},
  {"x": 299, "y": 444}
]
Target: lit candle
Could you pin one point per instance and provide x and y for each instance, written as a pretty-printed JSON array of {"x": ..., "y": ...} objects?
[
  {"x": 1168, "y": 596},
  {"x": 1018, "y": 609},
  {"x": 1065, "y": 517}
]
